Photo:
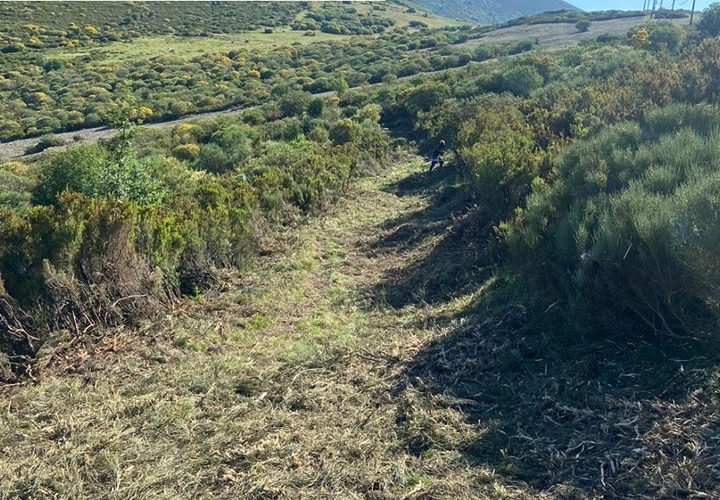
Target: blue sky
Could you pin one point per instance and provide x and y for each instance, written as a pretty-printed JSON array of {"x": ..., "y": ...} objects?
[{"x": 635, "y": 4}]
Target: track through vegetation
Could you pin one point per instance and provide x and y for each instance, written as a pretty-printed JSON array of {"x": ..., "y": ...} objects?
[
  {"x": 351, "y": 362},
  {"x": 288, "y": 384}
]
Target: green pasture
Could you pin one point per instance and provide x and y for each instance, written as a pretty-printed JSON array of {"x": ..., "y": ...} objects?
[{"x": 145, "y": 47}]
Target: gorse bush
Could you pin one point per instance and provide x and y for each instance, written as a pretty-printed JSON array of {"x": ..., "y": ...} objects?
[{"x": 626, "y": 235}]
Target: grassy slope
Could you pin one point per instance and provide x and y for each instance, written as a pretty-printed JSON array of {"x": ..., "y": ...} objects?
[
  {"x": 348, "y": 365},
  {"x": 146, "y": 47},
  {"x": 492, "y": 11},
  {"x": 559, "y": 35}
]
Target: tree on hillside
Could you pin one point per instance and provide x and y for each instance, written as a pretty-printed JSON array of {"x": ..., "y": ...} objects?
[
  {"x": 583, "y": 26},
  {"x": 709, "y": 23}
]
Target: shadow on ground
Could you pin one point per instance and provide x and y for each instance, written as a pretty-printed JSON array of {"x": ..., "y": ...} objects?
[
  {"x": 568, "y": 416},
  {"x": 585, "y": 419},
  {"x": 455, "y": 231}
]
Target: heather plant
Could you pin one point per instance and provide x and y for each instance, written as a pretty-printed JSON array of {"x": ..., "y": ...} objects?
[{"x": 709, "y": 24}]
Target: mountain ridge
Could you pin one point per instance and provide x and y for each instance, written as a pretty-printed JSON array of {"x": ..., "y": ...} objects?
[{"x": 491, "y": 11}]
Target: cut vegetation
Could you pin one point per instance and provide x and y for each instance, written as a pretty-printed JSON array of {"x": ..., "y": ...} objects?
[
  {"x": 266, "y": 295},
  {"x": 309, "y": 377}
]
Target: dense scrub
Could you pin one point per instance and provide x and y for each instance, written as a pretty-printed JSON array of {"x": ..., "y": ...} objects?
[
  {"x": 98, "y": 235},
  {"x": 109, "y": 234},
  {"x": 30, "y": 25},
  {"x": 625, "y": 237},
  {"x": 45, "y": 89},
  {"x": 597, "y": 167}
]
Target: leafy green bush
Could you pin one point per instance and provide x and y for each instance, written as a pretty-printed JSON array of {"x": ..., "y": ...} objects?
[
  {"x": 213, "y": 158},
  {"x": 583, "y": 25},
  {"x": 294, "y": 103},
  {"x": 665, "y": 35},
  {"x": 343, "y": 132},
  {"x": 521, "y": 46},
  {"x": 253, "y": 116},
  {"x": 626, "y": 235},
  {"x": 77, "y": 169},
  {"x": 709, "y": 24},
  {"x": 521, "y": 80}
]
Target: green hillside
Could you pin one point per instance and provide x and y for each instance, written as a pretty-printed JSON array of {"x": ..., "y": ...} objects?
[{"x": 492, "y": 11}]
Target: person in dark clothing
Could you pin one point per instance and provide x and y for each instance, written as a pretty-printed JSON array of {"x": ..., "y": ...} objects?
[{"x": 437, "y": 156}]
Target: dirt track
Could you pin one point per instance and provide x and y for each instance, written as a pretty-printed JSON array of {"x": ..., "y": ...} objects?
[{"x": 16, "y": 149}]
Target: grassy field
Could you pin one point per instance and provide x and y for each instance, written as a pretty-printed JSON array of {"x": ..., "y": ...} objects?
[
  {"x": 352, "y": 362},
  {"x": 151, "y": 46},
  {"x": 402, "y": 17}
]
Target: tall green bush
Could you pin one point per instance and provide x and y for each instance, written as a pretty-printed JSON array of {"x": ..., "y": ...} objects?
[
  {"x": 78, "y": 169},
  {"x": 626, "y": 235}
]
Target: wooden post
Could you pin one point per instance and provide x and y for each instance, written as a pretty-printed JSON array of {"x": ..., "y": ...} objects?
[{"x": 692, "y": 13}]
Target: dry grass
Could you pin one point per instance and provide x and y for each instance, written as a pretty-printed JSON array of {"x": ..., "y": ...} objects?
[
  {"x": 283, "y": 386},
  {"x": 306, "y": 379},
  {"x": 559, "y": 35}
]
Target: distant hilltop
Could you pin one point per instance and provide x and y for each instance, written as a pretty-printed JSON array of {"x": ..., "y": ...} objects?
[{"x": 490, "y": 11}]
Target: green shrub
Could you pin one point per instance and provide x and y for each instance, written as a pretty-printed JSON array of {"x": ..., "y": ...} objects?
[
  {"x": 214, "y": 159},
  {"x": 709, "y": 24},
  {"x": 665, "y": 35},
  {"x": 521, "y": 80},
  {"x": 484, "y": 52},
  {"x": 77, "y": 169},
  {"x": 344, "y": 131},
  {"x": 188, "y": 152},
  {"x": 521, "y": 46},
  {"x": 704, "y": 119},
  {"x": 253, "y": 116},
  {"x": 236, "y": 142},
  {"x": 45, "y": 142},
  {"x": 626, "y": 235},
  {"x": 16, "y": 184},
  {"x": 583, "y": 26},
  {"x": 316, "y": 107},
  {"x": 294, "y": 103}
]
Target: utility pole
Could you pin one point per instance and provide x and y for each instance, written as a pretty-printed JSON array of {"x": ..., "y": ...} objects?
[
  {"x": 672, "y": 9},
  {"x": 692, "y": 13}
]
